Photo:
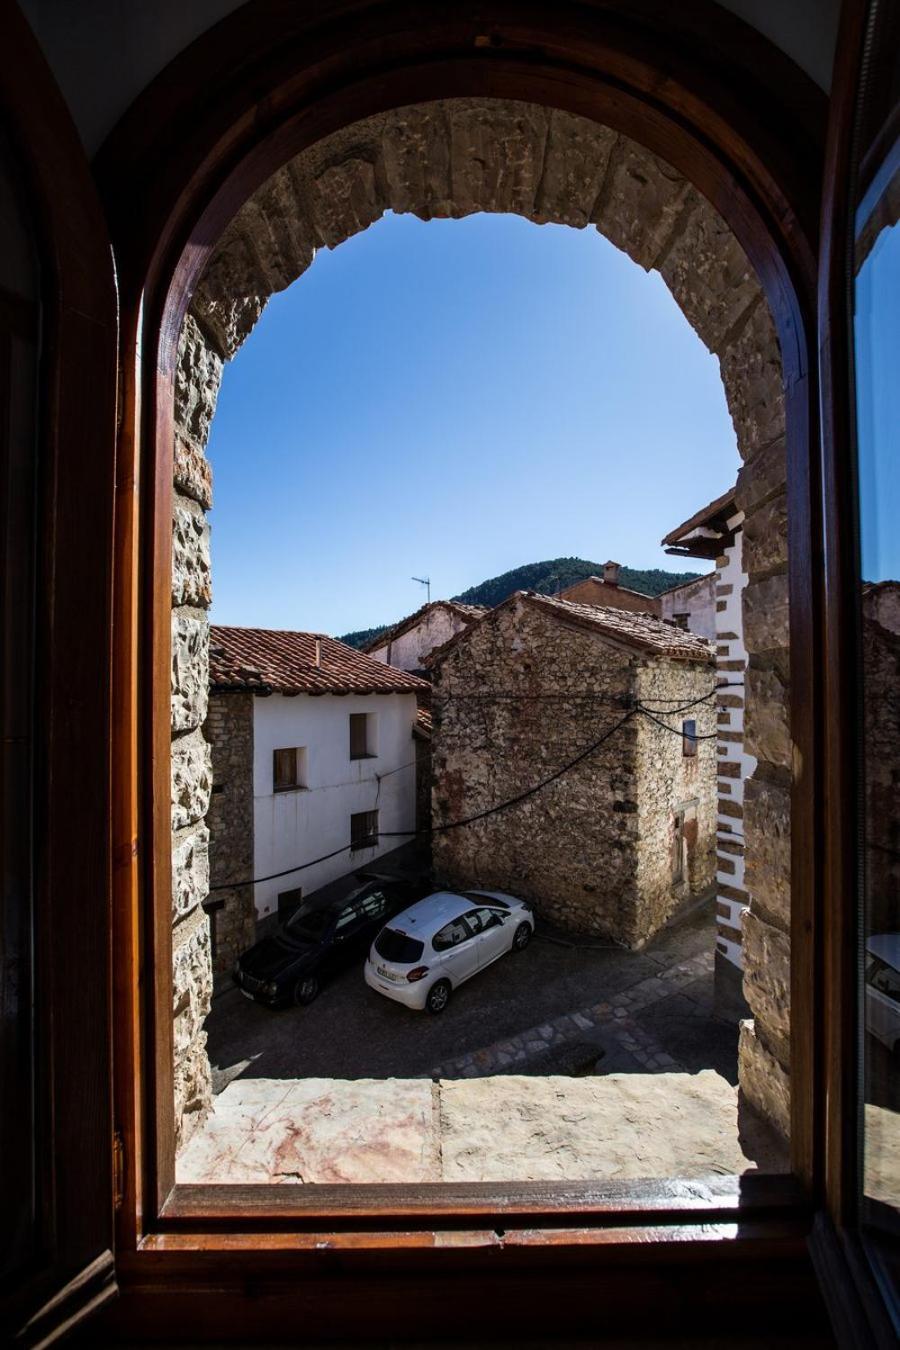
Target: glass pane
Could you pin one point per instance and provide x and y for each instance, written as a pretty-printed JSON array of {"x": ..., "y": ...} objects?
[{"x": 877, "y": 336}]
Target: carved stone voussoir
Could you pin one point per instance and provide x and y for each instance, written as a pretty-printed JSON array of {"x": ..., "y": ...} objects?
[
  {"x": 641, "y": 203},
  {"x": 767, "y": 830},
  {"x": 767, "y": 727},
  {"x": 710, "y": 275},
  {"x": 767, "y": 974},
  {"x": 764, "y": 1084},
  {"x": 190, "y": 668},
  {"x": 190, "y": 870},
  {"x": 198, "y": 374},
  {"x": 192, "y": 472},
  {"x": 191, "y": 568},
  {"x": 191, "y": 779},
  {"x": 754, "y": 383}
]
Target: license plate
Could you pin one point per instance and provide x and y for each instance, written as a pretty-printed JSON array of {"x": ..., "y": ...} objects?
[{"x": 385, "y": 974}]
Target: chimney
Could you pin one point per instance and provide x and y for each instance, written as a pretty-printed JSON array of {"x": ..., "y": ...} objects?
[
  {"x": 318, "y": 653},
  {"x": 611, "y": 573}
]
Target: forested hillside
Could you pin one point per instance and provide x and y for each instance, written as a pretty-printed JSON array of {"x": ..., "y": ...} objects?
[{"x": 547, "y": 578}]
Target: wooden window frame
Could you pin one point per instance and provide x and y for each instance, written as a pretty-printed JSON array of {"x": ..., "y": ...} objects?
[
  {"x": 370, "y": 838},
  {"x": 285, "y": 908},
  {"x": 678, "y": 867},
  {"x": 860, "y": 1301},
  {"x": 296, "y": 784},
  {"x": 356, "y": 741},
  {"x": 579, "y": 1238}
]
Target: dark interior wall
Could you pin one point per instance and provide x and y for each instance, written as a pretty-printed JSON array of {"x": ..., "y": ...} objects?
[
  {"x": 104, "y": 52},
  {"x": 805, "y": 30}
]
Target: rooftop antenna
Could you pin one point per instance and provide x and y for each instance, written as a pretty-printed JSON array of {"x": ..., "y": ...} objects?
[{"x": 426, "y": 582}]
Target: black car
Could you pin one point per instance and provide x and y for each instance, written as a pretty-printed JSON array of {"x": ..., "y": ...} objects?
[{"x": 320, "y": 938}]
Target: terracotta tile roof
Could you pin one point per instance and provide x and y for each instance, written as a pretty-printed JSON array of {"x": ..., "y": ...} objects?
[
  {"x": 272, "y": 661},
  {"x": 466, "y": 612},
  {"x": 632, "y": 627}
]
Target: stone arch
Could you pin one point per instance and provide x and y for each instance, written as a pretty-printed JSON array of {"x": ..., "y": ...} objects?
[{"x": 451, "y": 158}]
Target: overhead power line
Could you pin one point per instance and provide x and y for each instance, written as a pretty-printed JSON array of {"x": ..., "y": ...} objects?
[
  {"x": 653, "y": 716},
  {"x": 438, "y": 829}
]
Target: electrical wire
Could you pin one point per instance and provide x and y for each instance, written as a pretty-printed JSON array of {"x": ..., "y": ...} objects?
[
  {"x": 520, "y": 797},
  {"x": 440, "y": 829},
  {"x": 490, "y": 810},
  {"x": 673, "y": 731}
]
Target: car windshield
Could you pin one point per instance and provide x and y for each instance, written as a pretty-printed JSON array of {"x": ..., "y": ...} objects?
[
  {"x": 394, "y": 946},
  {"x": 309, "y": 921}
]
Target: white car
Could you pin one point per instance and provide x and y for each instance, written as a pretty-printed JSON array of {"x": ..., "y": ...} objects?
[
  {"x": 883, "y": 988},
  {"x": 442, "y": 941}
]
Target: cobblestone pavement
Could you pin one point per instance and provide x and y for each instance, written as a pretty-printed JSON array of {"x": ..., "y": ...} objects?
[
  {"x": 558, "y": 1008},
  {"x": 613, "y": 1021}
]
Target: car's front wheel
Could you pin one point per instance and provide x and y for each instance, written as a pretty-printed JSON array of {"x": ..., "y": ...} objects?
[
  {"x": 306, "y": 990},
  {"x": 438, "y": 996},
  {"x": 521, "y": 937}
]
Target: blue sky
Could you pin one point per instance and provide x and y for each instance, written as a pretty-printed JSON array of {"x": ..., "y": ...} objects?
[
  {"x": 878, "y": 407},
  {"x": 455, "y": 398}
]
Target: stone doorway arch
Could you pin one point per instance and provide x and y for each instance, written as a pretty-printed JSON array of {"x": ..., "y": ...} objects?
[{"x": 449, "y": 158}]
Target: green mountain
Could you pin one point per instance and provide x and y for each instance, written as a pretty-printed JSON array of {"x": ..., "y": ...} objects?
[
  {"x": 547, "y": 578},
  {"x": 363, "y": 636}
]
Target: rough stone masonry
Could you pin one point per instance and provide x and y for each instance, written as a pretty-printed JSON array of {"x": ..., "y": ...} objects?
[
  {"x": 452, "y": 158},
  {"x": 616, "y": 844}
]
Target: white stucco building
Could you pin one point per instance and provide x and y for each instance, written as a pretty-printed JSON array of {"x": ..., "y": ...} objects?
[
  {"x": 409, "y": 643},
  {"x": 314, "y": 758},
  {"x": 692, "y": 605},
  {"x": 716, "y": 533}
]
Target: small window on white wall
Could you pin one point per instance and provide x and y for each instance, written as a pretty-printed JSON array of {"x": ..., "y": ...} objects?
[
  {"x": 363, "y": 830},
  {"x": 362, "y": 736},
  {"x": 289, "y": 769}
]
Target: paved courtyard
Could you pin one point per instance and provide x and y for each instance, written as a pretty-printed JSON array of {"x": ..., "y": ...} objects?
[
  {"x": 569, "y": 1060},
  {"x": 557, "y": 1008}
]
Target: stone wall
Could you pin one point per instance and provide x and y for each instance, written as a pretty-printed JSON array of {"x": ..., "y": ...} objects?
[
  {"x": 765, "y": 818},
  {"x": 229, "y": 730},
  {"x": 452, "y": 158},
  {"x": 197, "y": 381},
  {"x": 671, "y": 783},
  {"x": 517, "y": 698}
]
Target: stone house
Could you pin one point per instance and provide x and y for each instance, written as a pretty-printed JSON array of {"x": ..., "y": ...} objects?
[
  {"x": 692, "y": 605},
  {"x": 715, "y": 533},
  {"x": 622, "y": 835},
  {"x": 408, "y": 645},
  {"x": 606, "y": 590},
  {"x": 313, "y": 753}
]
